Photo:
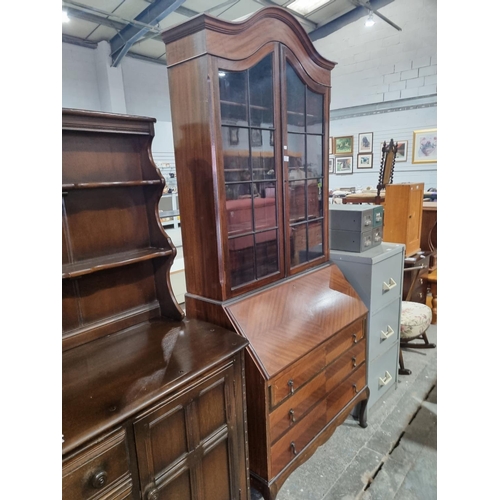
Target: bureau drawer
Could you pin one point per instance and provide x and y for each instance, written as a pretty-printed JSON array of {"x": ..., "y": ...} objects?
[
  {"x": 383, "y": 373},
  {"x": 386, "y": 282},
  {"x": 294, "y": 408},
  {"x": 97, "y": 470},
  {"x": 384, "y": 329},
  {"x": 296, "y": 375},
  {"x": 297, "y": 438},
  {"x": 343, "y": 366},
  {"x": 343, "y": 340},
  {"x": 345, "y": 392}
]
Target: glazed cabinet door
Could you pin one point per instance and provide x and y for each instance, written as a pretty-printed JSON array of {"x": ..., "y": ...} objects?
[
  {"x": 248, "y": 127},
  {"x": 187, "y": 448},
  {"x": 304, "y": 152}
]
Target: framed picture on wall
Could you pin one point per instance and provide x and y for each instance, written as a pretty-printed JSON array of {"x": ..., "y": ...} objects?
[
  {"x": 365, "y": 160},
  {"x": 330, "y": 165},
  {"x": 365, "y": 142},
  {"x": 343, "y": 165},
  {"x": 425, "y": 146},
  {"x": 402, "y": 151},
  {"x": 343, "y": 145}
]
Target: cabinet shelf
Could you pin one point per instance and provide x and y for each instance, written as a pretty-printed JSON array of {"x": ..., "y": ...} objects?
[
  {"x": 76, "y": 269},
  {"x": 93, "y": 185}
]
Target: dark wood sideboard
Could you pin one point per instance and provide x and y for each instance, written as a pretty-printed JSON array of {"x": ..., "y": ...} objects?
[{"x": 153, "y": 404}]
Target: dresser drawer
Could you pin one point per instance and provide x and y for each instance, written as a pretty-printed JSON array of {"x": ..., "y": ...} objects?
[
  {"x": 384, "y": 329},
  {"x": 343, "y": 340},
  {"x": 290, "y": 413},
  {"x": 345, "y": 392},
  {"x": 344, "y": 365},
  {"x": 292, "y": 378},
  {"x": 386, "y": 282},
  {"x": 383, "y": 372},
  {"x": 297, "y": 438},
  {"x": 98, "y": 470}
]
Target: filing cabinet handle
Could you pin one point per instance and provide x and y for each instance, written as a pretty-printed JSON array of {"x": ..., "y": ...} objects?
[
  {"x": 294, "y": 450},
  {"x": 354, "y": 364},
  {"x": 354, "y": 338},
  {"x": 389, "y": 286},
  {"x": 387, "y": 334},
  {"x": 292, "y": 415},
  {"x": 99, "y": 479},
  {"x": 290, "y": 384},
  {"x": 385, "y": 380}
]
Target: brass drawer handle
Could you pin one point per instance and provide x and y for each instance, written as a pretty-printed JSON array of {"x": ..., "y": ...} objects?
[
  {"x": 389, "y": 286},
  {"x": 290, "y": 384},
  {"x": 385, "y": 380},
  {"x": 291, "y": 413},
  {"x": 387, "y": 334},
  {"x": 294, "y": 450},
  {"x": 354, "y": 364},
  {"x": 99, "y": 479}
]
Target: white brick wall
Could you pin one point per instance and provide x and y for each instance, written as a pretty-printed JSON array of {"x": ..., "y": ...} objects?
[{"x": 407, "y": 56}]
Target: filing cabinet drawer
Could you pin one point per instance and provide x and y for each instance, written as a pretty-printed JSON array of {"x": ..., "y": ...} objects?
[
  {"x": 347, "y": 390},
  {"x": 97, "y": 470},
  {"x": 297, "y": 438},
  {"x": 384, "y": 329},
  {"x": 383, "y": 372},
  {"x": 386, "y": 283}
]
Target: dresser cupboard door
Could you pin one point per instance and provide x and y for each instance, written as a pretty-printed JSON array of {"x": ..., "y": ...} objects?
[{"x": 186, "y": 447}]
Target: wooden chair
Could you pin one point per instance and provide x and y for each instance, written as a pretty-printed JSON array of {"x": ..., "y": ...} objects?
[{"x": 415, "y": 320}]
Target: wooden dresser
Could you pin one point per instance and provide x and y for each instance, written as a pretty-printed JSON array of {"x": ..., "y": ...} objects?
[
  {"x": 250, "y": 106},
  {"x": 153, "y": 405},
  {"x": 377, "y": 276}
]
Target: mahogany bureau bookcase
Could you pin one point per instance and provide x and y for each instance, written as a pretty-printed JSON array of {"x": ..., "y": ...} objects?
[
  {"x": 250, "y": 106},
  {"x": 153, "y": 404}
]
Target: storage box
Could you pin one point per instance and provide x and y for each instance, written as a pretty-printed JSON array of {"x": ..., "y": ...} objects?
[{"x": 356, "y": 228}]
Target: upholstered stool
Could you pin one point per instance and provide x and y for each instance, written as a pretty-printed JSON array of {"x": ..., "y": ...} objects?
[{"x": 415, "y": 319}]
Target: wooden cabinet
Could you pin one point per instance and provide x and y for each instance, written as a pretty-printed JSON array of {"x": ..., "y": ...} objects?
[
  {"x": 403, "y": 215},
  {"x": 250, "y": 108},
  {"x": 153, "y": 405},
  {"x": 377, "y": 276}
]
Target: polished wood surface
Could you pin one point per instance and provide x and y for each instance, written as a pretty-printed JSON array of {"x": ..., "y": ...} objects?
[
  {"x": 403, "y": 215},
  {"x": 153, "y": 405}
]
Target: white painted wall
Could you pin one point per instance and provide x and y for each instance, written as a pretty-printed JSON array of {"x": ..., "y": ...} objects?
[{"x": 380, "y": 64}]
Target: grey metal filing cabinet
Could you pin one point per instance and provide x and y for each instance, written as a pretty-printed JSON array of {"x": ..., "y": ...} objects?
[{"x": 377, "y": 276}]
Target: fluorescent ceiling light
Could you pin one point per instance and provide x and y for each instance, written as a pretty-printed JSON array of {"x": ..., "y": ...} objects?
[
  {"x": 304, "y": 7},
  {"x": 65, "y": 18},
  {"x": 370, "y": 22}
]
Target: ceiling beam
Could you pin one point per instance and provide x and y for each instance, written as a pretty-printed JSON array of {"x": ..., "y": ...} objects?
[
  {"x": 351, "y": 16},
  {"x": 151, "y": 15}
]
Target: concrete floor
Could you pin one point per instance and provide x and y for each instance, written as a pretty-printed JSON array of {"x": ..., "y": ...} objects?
[{"x": 394, "y": 458}]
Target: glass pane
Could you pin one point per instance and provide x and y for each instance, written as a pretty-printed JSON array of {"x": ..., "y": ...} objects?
[
  {"x": 314, "y": 112},
  {"x": 315, "y": 239},
  {"x": 241, "y": 256},
  {"x": 314, "y": 156},
  {"x": 298, "y": 244},
  {"x": 233, "y": 97},
  {"x": 267, "y": 253},
  {"x": 295, "y": 99},
  {"x": 236, "y": 153},
  {"x": 261, "y": 93},
  {"x": 297, "y": 200}
]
